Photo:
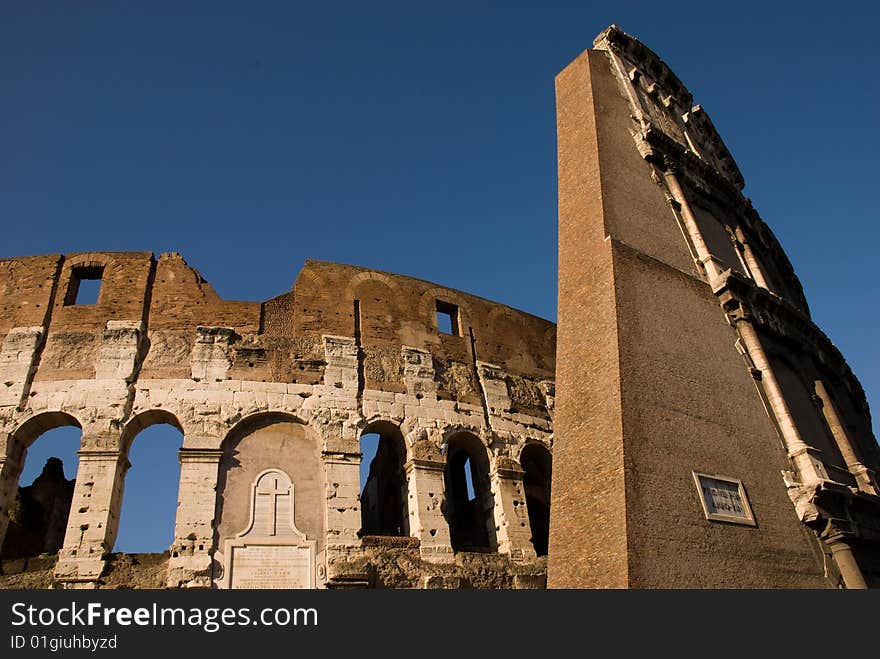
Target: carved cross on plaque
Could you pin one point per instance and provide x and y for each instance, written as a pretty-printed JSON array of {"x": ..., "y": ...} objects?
[
  {"x": 272, "y": 512},
  {"x": 269, "y": 490},
  {"x": 271, "y": 552}
]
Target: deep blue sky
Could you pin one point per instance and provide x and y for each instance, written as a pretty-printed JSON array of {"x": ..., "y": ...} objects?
[{"x": 415, "y": 137}]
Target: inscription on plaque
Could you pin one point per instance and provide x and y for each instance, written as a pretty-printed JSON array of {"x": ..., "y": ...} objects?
[
  {"x": 724, "y": 499},
  {"x": 272, "y": 567},
  {"x": 271, "y": 552}
]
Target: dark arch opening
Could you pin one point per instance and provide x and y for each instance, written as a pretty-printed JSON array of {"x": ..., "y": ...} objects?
[
  {"x": 469, "y": 503},
  {"x": 43, "y": 462},
  {"x": 383, "y": 481},
  {"x": 537, "y": 463},
  {"x": 149, "y": 504}
]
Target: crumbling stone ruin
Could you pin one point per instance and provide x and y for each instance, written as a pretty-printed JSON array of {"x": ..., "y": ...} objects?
[
  {"x": 709, "y": 434},
  {"x": 272, "y": 399}
]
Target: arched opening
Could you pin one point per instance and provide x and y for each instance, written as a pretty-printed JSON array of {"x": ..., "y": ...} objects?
[
  {"x": 149, "y": 504},
  {"x": 537, "y": 463},
  {"x": 42, "y": 467},
  {"x": 383, "y": 482},
  {"x": 469, "y": 502}
]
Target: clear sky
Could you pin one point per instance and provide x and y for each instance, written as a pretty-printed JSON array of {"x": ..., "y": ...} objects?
[{"x": 412, "y": 137}]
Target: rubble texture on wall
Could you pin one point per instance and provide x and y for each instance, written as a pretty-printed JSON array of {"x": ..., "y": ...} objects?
[
  {"x": 290, "y": 384},
  {"x": 686, "y": 346}
]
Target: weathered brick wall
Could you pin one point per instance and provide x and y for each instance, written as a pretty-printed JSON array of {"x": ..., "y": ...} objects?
[{"x": 347, "y": 349}]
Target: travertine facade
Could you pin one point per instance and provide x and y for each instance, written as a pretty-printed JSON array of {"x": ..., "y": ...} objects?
[
  {"x": 686, "y": 353},
  {"x": 272, "y": 399}
]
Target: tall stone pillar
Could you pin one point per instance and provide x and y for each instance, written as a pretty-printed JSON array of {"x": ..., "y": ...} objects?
[
  {"x": 807, "y": 459},
  {"x": 191, "y": 551},
  {"x": 426, "y": 520},
  {"x": 511, "y": 516},
  {"x": 865, "y": 477},
  {"x": 343, "y": 521},
  {"x": 839, "y": 542},
  {"x": 342, "y": 473},
  {"x": 94, "y": 512},
  {"x": 11, "y": 463}
]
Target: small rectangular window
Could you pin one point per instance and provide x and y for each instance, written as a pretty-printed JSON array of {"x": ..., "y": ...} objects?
[
  {"x": 85, "y": 285},
  {"x": 447, "y": 318}
]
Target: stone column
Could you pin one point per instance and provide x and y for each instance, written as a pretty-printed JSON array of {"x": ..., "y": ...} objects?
[
  {"x": 342, "y": 474},
  {"x": 192, "y": 549},
  {"x": 426, "y": 520},
  {"x": 753, "y": 266},
  {"x": 704, "y": 256},
  {"x": 806, "y": 458},
  {"x": 511, "y": 515},
  {"x": 343, "y": 521},
  {"x": 11, "y": 463},
  {"x": 94, "y": 512},
  {"x": 863, "y": 476},
  {"x": 838, "y": 540}
]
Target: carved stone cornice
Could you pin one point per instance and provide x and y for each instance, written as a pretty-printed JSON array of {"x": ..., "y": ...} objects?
[
  {"x": 206, "y": 455},
  {"x": 618, "y": 41},
  {"x": 424, "y": 463},
  {"x": 701, "y": 178},
  {"x": 665, "y": 152},
  {"x": 837, "y": 512},
  {"x": 508, "y": 468},
  {"x": 742, "y": 300}
]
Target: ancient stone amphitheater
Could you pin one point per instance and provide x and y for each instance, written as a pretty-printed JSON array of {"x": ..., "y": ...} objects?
[
  {"x": 706, "y": 432},
  {"x": 272, "y": 399}
]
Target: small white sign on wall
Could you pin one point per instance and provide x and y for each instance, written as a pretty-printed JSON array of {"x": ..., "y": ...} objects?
[{"x": 724, "y": 499}]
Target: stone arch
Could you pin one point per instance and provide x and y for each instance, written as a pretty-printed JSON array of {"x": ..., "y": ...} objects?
[
  {"x": 370, "y": 276},
  {"x": 266, "y": 441},
  {"x": 537, "y": 464},
  {"x": 33, "y": 518},
  {"x": 380, "y": 424},
  {"x": 143, "y": 420},
  {"x": 383, "y": 492},
  {"x": 105, "y": 259},
  {"x": 470, "y": 515},
  {"x": 149, "y": 492},
  {"x": 258, "y": 419},
  {"x": 451, "y": 431},
  {"x": 29, "y": 430}
]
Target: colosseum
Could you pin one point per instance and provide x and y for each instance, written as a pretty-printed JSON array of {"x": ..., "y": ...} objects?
[{"x": 706, "y": 433}]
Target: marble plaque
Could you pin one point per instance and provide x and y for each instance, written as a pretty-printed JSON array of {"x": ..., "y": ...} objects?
[
  {"x": 271, "y": 567},
  {"x": 724, "y": 499},
  {"x": 270, "y": 552}
]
